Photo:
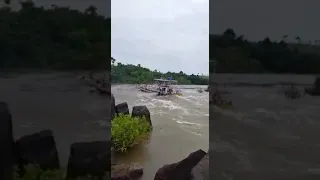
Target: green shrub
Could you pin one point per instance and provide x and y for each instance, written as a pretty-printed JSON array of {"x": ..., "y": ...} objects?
[
  {"x": 127, "y": 132},
  {"x": 33, "y": 172}
]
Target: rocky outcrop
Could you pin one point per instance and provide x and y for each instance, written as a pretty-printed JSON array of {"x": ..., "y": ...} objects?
[
  {"x": 126, "y": 171},
  {"x": 182, "y": 169},
  {"x": 38, "y": 148},
  {"x": 292, "y": 92},
  {"x": 86, "y": 158},
  {"x": 89, "y": 158},
  {"x": 315, "y": 90},
  {"x": 122, "y": 108},
  {"x": 6, "y": 142},
  {"x": 201, "y": 170},
  {"x": 141, "y": 111},
  {"x": 137, "y": 111}
]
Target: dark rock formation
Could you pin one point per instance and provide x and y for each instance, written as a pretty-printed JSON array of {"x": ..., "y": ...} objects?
[
  {"x": 89, "y": 158},
  {"x": 126, "y": 172},
  {"x": 6, "y": 142},
  {"x": 38, "y": 148},
  {"x": 122, "y": 108},
  {"x": 292, "y": 92},
  {"x": 315, "y": 90},
  {"x": 113, "y": 107},
  {"x": 201, "y": 170},
  {"x": 141, "y": 111},
  {"x": 180, "y": 170}
]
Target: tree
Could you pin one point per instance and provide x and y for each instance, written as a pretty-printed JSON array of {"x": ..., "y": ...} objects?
[{"x": 91, "y": 10}]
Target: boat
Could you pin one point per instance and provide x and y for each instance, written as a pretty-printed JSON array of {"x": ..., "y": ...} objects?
[{"x": 162, "y": 87}]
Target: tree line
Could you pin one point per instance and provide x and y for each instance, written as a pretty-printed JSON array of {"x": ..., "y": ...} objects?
[
  {"x": 232, "y": 53},
  {"x": 136, "y": 74},
  {"x": 54, "y": 38}
]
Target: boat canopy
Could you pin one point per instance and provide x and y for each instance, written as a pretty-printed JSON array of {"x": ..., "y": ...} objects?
[{"x": 165, "y": 80}]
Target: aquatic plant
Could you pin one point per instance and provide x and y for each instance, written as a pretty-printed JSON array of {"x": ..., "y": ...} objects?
[
  {"x": 127, "y": 131},
  {"x": 34, "y": 172}
]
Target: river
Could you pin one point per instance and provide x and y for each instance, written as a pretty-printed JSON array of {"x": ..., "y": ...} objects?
[
  {"x": 265, "y": 132},
  {"x": 57, "y": 101},
  {"x": 180, "y": 126},
  {"x": 265, "y": 135}
]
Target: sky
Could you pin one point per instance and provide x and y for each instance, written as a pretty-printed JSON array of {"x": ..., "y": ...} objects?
[
  {"x": 103, "y": 6},
  {"x": 166, "y": 35},
  {"x": 257, "y": 19}
]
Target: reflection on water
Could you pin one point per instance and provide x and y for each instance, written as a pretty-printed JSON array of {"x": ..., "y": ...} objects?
[{"x": 180, "y": 126}]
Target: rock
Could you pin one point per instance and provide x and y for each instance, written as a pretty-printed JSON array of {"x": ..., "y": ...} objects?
[
  {"x": 113, "y": 107},
  {"x": 89, "y": 158},
  {"x": 126, "y": 172},
  {"x": 6, "y": 142},
  {"x": 292, "y": 92},
  {"x": 317, "y": 83},
  {"x": 122, "y": 108},
  {"x": 315, "y": 90},
  {"x": 180, "y": 170},
  {"x": 141, "y": 111},
  {"x": 38, "y": 148},
  {"x": 201, "y": 170}
]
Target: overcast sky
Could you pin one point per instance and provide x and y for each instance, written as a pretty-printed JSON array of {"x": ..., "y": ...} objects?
[
  {"x": 103, "y": 6},
  {"x": 167, "y": 35},
  {"x": 257, "y": 19}
]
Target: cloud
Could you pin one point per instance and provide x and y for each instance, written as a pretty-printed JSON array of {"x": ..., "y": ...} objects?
[{"x": 165, "y": 35}]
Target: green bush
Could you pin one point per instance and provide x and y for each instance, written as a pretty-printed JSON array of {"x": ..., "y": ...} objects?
[
  {"x": 33, "y": 172},
  {"x": 127, "y": 132}
]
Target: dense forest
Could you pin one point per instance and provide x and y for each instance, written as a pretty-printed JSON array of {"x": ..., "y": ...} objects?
[
  {"x": 231, "y": 53},
  {"x": 55, "y": 38},
  {"x": 136, "y": 74}
]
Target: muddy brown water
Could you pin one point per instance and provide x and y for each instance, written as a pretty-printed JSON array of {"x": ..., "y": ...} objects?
[
  {"x": 180, "y": 126},
  {"x": 264, "y": 133},
  {"x": 57, "y": 101},
  {"x": 265, "y": 136}
]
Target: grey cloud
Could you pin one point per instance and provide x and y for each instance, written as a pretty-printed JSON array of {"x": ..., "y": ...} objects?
[{"x": 167, "y": 36}]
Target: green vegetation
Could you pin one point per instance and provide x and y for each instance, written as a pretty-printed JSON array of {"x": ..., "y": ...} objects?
[
  {"x": 127, "y": 132},
  {"x": 33, "y": 172},
  {"x": 56, "y": 38},
  {"x": 132, "y": 74},
  {"x": 235, "y": 54}
]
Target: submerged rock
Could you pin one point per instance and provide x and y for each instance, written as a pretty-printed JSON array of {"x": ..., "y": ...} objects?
[
  {"x": 126, "y": 171},
  {"x": 180, "y": 170},
  {"x": 292, "y": 92}
]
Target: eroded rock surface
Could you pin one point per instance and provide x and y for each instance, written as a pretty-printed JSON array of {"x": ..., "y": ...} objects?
[{"x": 126, "y": 172}]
